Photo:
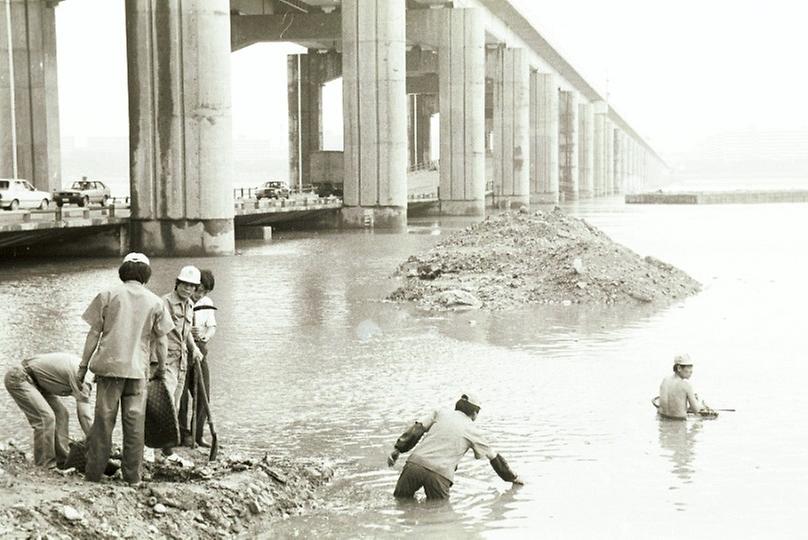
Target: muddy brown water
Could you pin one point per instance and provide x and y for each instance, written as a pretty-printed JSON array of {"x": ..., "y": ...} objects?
[{"x": 308, "y": 362}]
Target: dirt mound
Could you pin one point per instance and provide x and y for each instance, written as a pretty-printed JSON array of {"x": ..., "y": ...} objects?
[
  {"x": 236, "y": 495},
  {"x": 542, "y": 258}
]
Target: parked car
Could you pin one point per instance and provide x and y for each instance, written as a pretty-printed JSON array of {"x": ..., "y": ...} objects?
[
  {"x": 21, "y": 194},
  {"x": 329, "y": 190},
  {"x": 83, "y": 192},
  {"x": 274, "y": 189}
]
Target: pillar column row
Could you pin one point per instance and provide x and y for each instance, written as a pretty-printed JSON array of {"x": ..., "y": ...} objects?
[
  {"x": 461, "y": 64},
  {"x": 511, "y": 128},
  {"x": 374, "y": 113},
  {"x": 586, "y": 151},
  {"x": 568, "y": 145},
  {"x": 543, "y": 138},
  {"x": 180, "y": 126},
  {"x": 29, "y": 95}
]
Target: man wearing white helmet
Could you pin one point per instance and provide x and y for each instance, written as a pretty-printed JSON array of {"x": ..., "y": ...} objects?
[
  {"x": 676, "y": 395},
  {"x": 433, "y": 463},
  {"x": 180, "y": 340},
  {"x": 126, "y": 322}
]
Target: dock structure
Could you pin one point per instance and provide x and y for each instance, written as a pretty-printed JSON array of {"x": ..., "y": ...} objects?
[{"x": 512, "y": 111}]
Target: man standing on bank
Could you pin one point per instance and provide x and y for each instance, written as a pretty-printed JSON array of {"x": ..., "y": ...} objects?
[
  {"x": 36, "y": 388},
  {"x": 127, "y": 321},
  {"x": 432, "y": 465},
  {"x": 180, "y": 340},
  {"x": 676, "y": 395},
  {"x": 202, "y": 331}
]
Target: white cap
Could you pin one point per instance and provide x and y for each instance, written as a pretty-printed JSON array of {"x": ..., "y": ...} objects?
[
  {"x": 471, "y": 399},
  {"x": 136, "y": 258},
  {"x": 190, "y": 274},
  {"x": 682, "y": 360}
]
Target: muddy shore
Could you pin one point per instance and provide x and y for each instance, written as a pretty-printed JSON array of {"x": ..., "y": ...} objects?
[
  {"x": 520, "y": 258},
  {"x": 235, "y": 495}
]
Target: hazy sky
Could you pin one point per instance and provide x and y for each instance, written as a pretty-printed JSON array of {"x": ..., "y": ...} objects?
[{"x": 679, "y": 72}]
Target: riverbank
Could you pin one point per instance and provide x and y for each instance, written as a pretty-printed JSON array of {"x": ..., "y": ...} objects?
[
  {"x": 519, "y": 258},
  {"x": 237, "y": 494}
]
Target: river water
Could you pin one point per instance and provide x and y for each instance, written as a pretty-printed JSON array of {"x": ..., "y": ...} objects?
[{"x": 308, "y": 362}]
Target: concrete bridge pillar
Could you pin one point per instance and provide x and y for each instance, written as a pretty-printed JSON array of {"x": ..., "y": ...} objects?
[
  {"x": 461, "y": 60},
  {"x": 609, "y": 156},
  {"x": 599, "y": 149},
  {"x": 420, "y": 108},
  {"x": 586, "y": 154},
  {"x": 375, "y": 113},
  {"x": 619, "y": 161},
  {"x": 511, "y": 123},
  {"x": 180, "y": 141},
  {"x": 543, "y": 138},
  {"x": 305, "y": 76},
  {"x": 568, "y": 145},
  {"x": 29, "y": 95}
]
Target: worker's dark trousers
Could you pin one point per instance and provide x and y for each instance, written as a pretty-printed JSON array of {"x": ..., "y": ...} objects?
[
  {"x": 190, "y": 392},
  {"x": 414, "y": 476},
  {"x": 46, "y": 414},
  {"x": 130, "y": 394}
]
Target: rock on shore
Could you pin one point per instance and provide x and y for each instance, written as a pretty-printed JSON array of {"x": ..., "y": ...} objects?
[
  {"x": 236, "y": 495},
  {"x": 542, "y": 258}
]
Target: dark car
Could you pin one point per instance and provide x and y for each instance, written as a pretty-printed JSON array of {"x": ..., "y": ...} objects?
[
  {"x": 83, "y": 192},
  {"x": 329, "y": 190},
  {"x": 274, "y": 189}
]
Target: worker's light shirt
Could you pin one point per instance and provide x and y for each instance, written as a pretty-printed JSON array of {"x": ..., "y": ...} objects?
[
  {"x": 676, "y": 397},
  {"x": 449, "y": 436},
  {"x": 130, "y": 317},
  {"x": 205, "y": 318},
  {"x": 56, "y": 374},
  {"x": 182, "y": 314}
]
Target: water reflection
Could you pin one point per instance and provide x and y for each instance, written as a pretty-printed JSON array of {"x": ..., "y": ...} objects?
[
  {"x": 309, "y": 362},
  {"x": 678, "y": 438}
]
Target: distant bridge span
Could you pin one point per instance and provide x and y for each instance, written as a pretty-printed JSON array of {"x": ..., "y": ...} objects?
[{"x": 513, "y": 111}]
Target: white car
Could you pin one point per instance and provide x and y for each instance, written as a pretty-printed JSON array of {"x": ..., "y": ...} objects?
[{"x": 21, "y": 194}]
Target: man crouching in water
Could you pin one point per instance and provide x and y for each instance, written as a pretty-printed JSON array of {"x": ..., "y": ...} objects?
[
  {"x": 432, "y": 465},
  {"x": 676, "y": 395}
]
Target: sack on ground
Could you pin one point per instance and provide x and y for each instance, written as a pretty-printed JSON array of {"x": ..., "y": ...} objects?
[{"x": 77, "y": 459}]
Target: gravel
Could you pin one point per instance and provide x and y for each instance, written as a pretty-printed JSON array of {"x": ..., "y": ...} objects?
[{"x": 514, "y": 259}]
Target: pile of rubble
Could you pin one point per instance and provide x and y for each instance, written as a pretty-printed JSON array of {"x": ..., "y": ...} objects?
[
  {"x": 233, "y": 496},
  {"x": 542, "y": 258}
]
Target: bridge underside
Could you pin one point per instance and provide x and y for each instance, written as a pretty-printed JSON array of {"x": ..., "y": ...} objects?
[{"x": 513, "y": 113}]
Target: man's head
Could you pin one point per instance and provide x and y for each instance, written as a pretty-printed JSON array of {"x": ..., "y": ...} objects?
[
  {"x": 469, "y": 405},
  {"x": 683, "y": 366},
  {"x": 206, "y": 284},
  {"x": 135, "y": 267},
  {"x": 187, "y": 281}
]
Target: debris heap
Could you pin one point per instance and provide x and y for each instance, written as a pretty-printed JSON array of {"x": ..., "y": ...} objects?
[
  {"x": 235, "y": 496},
  {"x": 519, "y": 258}
]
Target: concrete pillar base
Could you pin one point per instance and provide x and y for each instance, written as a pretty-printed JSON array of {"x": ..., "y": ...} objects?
[
  {"x": 254, "y": 232},
  {"x": 375, "y": 217},
  {"x": 544, "y": 198},
  {"x": 462, "y": 208},
  {"x": 182, "y": 237},
  {"x": 513, "y": 201}
]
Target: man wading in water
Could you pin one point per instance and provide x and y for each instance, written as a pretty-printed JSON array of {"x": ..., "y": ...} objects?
[
  {"x": 676, "y": 395},
  {"x": 432, "y": 465}
]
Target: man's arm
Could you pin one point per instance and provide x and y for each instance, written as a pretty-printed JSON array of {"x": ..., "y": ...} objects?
[
  {"x": 161, "y": 352},
  {"x": 406, "y": 442},
  {"x": 193, "y": 350},
  {"x": 694, "y": 404},
  {"x": 90, "y": 345},
  {"x": 504, "y": 471},
  {"x": 85, "y": 413}
]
